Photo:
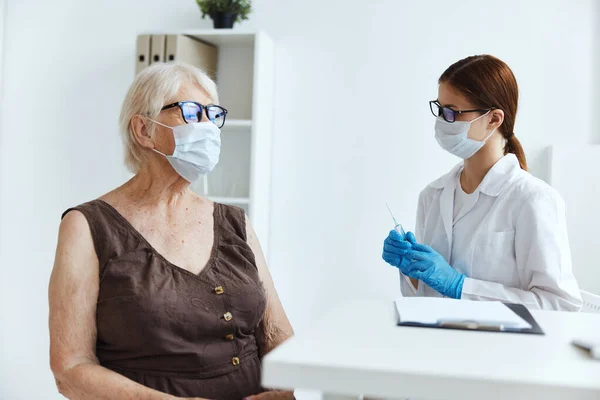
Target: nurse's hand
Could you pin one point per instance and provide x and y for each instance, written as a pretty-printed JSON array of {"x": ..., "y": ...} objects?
[
  {"x": 395, "y": 247},
  {"x": 430, "y": 267}
]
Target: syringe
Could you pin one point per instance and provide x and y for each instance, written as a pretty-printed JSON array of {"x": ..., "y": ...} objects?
[{"x": 397, "y": 226}]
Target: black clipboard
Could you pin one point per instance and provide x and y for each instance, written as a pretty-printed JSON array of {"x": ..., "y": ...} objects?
[{"x": 518, "y": 309}]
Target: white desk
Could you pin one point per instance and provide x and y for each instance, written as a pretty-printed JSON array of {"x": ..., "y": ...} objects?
[{"x": 358, "y": 349}]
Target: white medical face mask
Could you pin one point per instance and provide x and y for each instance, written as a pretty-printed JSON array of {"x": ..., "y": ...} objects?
[
  {"x": 197, "y": 149},
  {"x": 452, "y": 137}
]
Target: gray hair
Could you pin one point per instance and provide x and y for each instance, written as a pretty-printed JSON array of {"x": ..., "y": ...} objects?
[{"x": 148, "y": 93}]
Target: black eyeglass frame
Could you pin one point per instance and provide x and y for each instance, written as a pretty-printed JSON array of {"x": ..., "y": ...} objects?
[
  {"x": 203, "y": 110},
  {"x": 454, "y": 112}
]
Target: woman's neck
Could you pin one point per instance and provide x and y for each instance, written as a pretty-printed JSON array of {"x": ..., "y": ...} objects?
[
  {"x": 477, "y": 167},
  {"x": 157, "y": 184}
]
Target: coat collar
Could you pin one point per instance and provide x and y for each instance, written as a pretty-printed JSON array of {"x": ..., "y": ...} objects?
[{"x": 494, "y": 182}]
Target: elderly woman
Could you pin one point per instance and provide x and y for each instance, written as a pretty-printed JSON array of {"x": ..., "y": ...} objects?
[{"x": 158, "y": 293}]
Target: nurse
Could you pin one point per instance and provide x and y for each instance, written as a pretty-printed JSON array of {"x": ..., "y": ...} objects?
[{"x": 487, "y": 230}]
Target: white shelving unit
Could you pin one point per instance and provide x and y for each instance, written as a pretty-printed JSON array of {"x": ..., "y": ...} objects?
[
  {"x": 245, "y": 80},
  {"x": 231, "y": 200},
  {"x": 239, "y": 123}
]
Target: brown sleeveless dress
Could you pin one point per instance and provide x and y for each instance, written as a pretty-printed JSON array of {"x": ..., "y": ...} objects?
[{"x": 169, "y": 329}]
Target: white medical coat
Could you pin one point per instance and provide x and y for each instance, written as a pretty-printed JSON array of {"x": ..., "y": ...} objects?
[{"x": 511, "y": 241}]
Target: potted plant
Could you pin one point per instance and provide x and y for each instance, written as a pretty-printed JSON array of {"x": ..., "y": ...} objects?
[{"x": 225, "y": 13}]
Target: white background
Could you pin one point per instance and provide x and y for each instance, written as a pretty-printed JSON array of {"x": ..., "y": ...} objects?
[{"x": 352, "y": 130}]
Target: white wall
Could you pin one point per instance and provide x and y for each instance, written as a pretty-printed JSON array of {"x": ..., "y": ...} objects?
[
  {"x": 581, "y": 204},
  {"x": 596, "y": 76},
  {"x": 352, "y": 129}
]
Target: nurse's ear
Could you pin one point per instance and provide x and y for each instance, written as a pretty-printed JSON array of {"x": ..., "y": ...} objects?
[{"x": 496, "y": 119}]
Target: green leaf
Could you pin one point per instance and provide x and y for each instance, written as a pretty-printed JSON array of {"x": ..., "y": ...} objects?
[{"x": 240, "y": 7}]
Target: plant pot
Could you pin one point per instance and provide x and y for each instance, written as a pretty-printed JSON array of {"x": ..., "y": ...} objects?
[{"x": 223, "y": 20}]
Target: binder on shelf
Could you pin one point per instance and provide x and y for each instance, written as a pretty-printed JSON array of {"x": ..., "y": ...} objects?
[
  {"x": 142, "y": 50},
  {"x": 192, "y": 51},
  {"x": 157, "y": 48}
]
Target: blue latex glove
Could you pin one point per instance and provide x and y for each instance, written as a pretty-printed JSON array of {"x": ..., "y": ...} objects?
[
  {"x": 430, "y": 267},
  {"x": 395, "y": 247}
]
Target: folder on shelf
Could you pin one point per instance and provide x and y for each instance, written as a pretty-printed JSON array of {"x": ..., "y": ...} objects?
[
  {"x": 192, "y": 51},
  {"x": 157, "y": 48},
  {"x": 431, "y": 312},
  {"x": 142, "y": 52}
]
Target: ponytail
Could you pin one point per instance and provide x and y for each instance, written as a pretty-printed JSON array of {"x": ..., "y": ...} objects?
[{"x": 514, "y": 146}]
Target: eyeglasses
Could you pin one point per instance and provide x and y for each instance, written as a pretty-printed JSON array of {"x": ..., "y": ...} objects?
[
  {"x": 192, "y": 112},
  {"x": 447, "y": 113}
]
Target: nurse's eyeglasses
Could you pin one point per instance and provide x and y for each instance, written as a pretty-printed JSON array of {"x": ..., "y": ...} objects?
[
  {"x": 192, "y": 112},
  {"x": 447, "y": 113}
]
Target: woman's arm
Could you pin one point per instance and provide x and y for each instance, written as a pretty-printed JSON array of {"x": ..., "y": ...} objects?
[
  {"x": 73, "y": 294},
  {"x": 275, "y": 327}
]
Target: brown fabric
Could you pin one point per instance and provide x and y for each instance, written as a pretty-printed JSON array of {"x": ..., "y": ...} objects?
[{"x": 163, "y": 326}]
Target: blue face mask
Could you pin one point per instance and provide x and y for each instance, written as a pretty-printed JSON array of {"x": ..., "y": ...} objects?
[
  {"x": 452, "y": 137},
  {"x": 197, "y": 149}
]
